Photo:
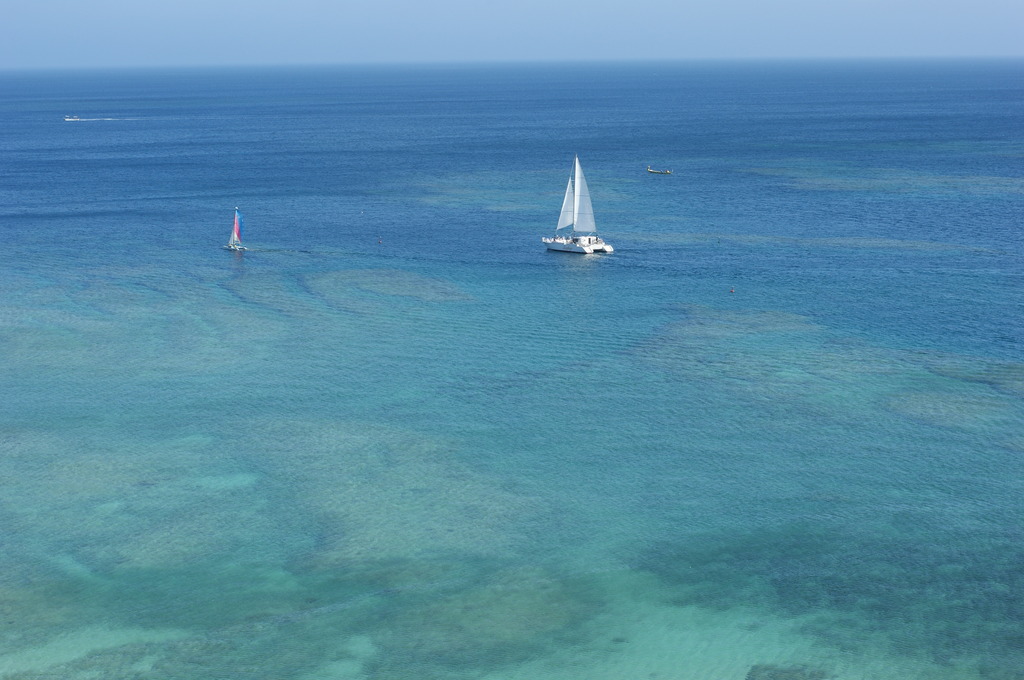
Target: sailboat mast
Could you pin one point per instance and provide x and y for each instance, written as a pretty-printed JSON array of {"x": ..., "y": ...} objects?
[{"x": 576, "y": 172}]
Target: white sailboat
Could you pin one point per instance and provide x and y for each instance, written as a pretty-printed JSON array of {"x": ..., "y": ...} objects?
[
  {"x": 235, "y": 242},
  {"x": 578, "y": 213}
]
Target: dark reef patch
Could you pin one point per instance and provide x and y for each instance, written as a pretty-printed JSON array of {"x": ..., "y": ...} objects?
[{"x": 937, "y": 595}]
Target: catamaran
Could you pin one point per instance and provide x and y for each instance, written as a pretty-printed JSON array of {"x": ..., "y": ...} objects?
[
  {"x": 578, "y": 213},
  {"x": 235, "y": 242}
]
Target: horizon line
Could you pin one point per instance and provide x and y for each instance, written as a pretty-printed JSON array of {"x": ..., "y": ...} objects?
[{"x": 518, "y": 62}]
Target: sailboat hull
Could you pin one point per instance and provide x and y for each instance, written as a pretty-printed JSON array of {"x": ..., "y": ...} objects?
[{"x": 586, "y": 245}]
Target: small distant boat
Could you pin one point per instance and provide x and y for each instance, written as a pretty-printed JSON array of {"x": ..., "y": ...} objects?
[
  {"x": 71, "y": 119},
  {"x": 235, "y": 242},
  {"x": 658, "y": 172},
  {"x": 578, "y": 213}
]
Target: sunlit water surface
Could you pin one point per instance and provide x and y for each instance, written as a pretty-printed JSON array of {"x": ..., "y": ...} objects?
[{"x": 777, "y": 435}]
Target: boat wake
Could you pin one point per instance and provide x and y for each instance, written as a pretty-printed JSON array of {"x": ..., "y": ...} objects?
[
  {"x": 295, "y": 251},
  {"x": 76, "y": 119}
]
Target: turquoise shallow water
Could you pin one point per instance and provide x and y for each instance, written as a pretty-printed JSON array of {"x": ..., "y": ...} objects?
[{"x": 777, "y": 434}]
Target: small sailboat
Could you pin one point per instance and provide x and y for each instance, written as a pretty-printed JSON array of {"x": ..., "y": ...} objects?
[
  {"x": 578, "y": 213},
  {"x": 235, "y": 242},
  {"x": 658, "y": 172}
]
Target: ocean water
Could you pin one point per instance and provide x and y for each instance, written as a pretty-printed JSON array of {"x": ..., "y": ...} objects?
[{"x": 777, "y": 435}]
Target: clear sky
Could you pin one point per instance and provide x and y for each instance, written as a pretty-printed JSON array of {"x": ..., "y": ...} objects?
[{"x": 101, "y": 33}]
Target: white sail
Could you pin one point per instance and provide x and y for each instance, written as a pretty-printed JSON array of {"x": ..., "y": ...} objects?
[
  {"x": 584, "y": 211},
  {"x": 565, "y": 218}
]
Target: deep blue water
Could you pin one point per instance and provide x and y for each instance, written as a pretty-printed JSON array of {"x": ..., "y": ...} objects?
[{"x": 777, "y": 433}]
